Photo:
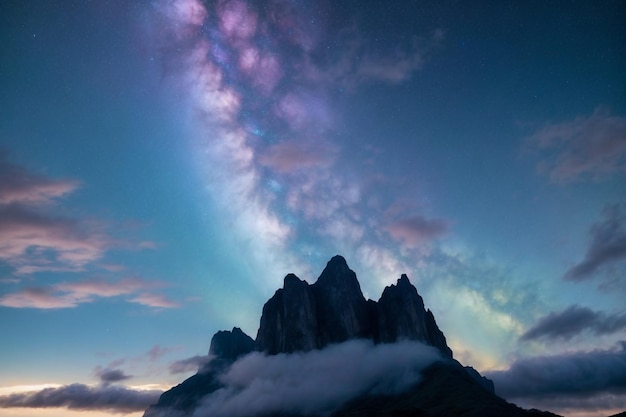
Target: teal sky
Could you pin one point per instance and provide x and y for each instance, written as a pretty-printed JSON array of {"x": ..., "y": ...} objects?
[{"x": 164, "y": 164}]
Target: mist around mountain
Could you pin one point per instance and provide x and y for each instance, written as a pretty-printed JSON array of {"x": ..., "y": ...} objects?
[{"x": 322, "y": 349}]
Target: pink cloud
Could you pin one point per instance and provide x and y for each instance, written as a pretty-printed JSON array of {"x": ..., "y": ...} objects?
[
  {"x": 72, "y": 294},
  {"x": 32, "y": 242},
  {"x": 592, "y": 147},
  {"x": 154, "y": 300},
  {"x": 39, "y": 298},
  {"x": 18, "y": 185},
  {"x": 294, "y": 155},
  {"x": 103, "y": 288},
  {"x": 416, "y": 230}
]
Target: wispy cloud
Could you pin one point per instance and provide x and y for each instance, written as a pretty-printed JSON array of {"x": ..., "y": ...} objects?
[
  {"x": 156, "y": 352},
  {"x": 607, "y": 245},
  {"x": 290, "y": 156},
  {"x": 588, "y": 147},
  {"x": 109, "y": 375},
  {"x": 191, "y": 364},
  {"x": 112, "y": 398},
  {"x": 33, "y": 242},
  {"x": 154, "y": 300},
  {"x": 33, "y": 238},
  {"x": 416, "y": 230},
  {"x": 573, "y": 321},
  {"x": 72, "y": 294},
  {"x": 21, "y": 186}
]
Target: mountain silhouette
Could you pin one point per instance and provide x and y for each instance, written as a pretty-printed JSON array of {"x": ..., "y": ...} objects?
[{"x": 324, "y": 350}]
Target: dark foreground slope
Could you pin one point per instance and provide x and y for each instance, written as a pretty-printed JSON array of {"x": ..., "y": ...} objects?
[
  {"x": 306, "y": 318},
  {"x": 446, "y": 390}
]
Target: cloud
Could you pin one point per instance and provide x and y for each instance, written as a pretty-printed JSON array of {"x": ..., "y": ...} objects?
[
  {"x": 191, "y": 364},
  {"x": 607, "y": 246},
  {"x": 71, "y": 294},
  {"x": 157, "y": 352},
  {"x": 416, "y": 230},
  {"x": 18, "y": 185},
  {"x": 597, "y": 405},
  {"x": 112, "y": 398},
  {"x": 316, "y": 382},
  {"x": 398, "y": 65},
  {"x": 360, "y": 62},
  {"x": 295, "y": 155},
  {"x": 579, "y": 374},
  {"x": 109, "y": 376},
  {"x": 154, "y": 300},
  {"x": 573, "y": 321},
  {"x": 32, "y": 242},
  {"x": 591, "y": 147},
  {"x": 33, "y": 239}
]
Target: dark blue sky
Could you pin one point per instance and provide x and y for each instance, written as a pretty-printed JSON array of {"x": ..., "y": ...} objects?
[{"x": 166, "y": 163}]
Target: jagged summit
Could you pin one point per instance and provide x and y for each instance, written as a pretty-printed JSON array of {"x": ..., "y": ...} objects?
[{"x": 301, "y": 317}]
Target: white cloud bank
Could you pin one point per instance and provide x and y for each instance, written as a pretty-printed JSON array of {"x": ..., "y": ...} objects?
[{"x": 316, "y": 382}]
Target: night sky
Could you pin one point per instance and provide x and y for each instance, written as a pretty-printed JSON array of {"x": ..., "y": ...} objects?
[{"x": 164, "y": 164}]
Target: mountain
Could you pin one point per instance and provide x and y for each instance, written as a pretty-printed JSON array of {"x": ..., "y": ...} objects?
[
  {"x": 328, "y": 337},
  {"x": 300, "y": 317}
]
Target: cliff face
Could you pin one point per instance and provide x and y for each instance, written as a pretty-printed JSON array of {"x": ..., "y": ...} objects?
[
  {"x": 289, "y": 320},
  {"x": 301, "y": 317}
]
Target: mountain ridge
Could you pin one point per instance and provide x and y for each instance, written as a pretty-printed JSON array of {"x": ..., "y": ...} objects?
[{"x": 302, "y": 318}]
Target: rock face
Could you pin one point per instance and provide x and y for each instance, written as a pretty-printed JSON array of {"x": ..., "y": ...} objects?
[
  {"x": 401, "y": 316},
  {"x": 301, "y": 317},
  {"x": 341, "y": 307},
  {"x": 289, "y": 319}
]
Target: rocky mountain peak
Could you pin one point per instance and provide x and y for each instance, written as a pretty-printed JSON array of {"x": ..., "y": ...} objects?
[
  {"x": 342, "y": 312},
  {"x": 229, "y": 345},
  {"x": 303, "y": 317},
  {"x": 339, "y": 277}
]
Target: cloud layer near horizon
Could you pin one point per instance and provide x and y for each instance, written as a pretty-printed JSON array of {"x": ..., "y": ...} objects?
[
  {"x": 565, "y": 379},
  {"x": 112, "y": 398},
  {"x": 316, "y": 382}
]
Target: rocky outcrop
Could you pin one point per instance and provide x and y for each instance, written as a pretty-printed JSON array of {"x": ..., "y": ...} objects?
[
  {"x": 231, "y": 345},
  {"x": 226, "y": 347},
  {"x": 301, "y": 317},
  {"x": 401, "y": 315}
]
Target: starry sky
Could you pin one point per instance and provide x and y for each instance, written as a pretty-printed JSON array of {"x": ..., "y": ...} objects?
[{"x": 164, "y": 164}]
